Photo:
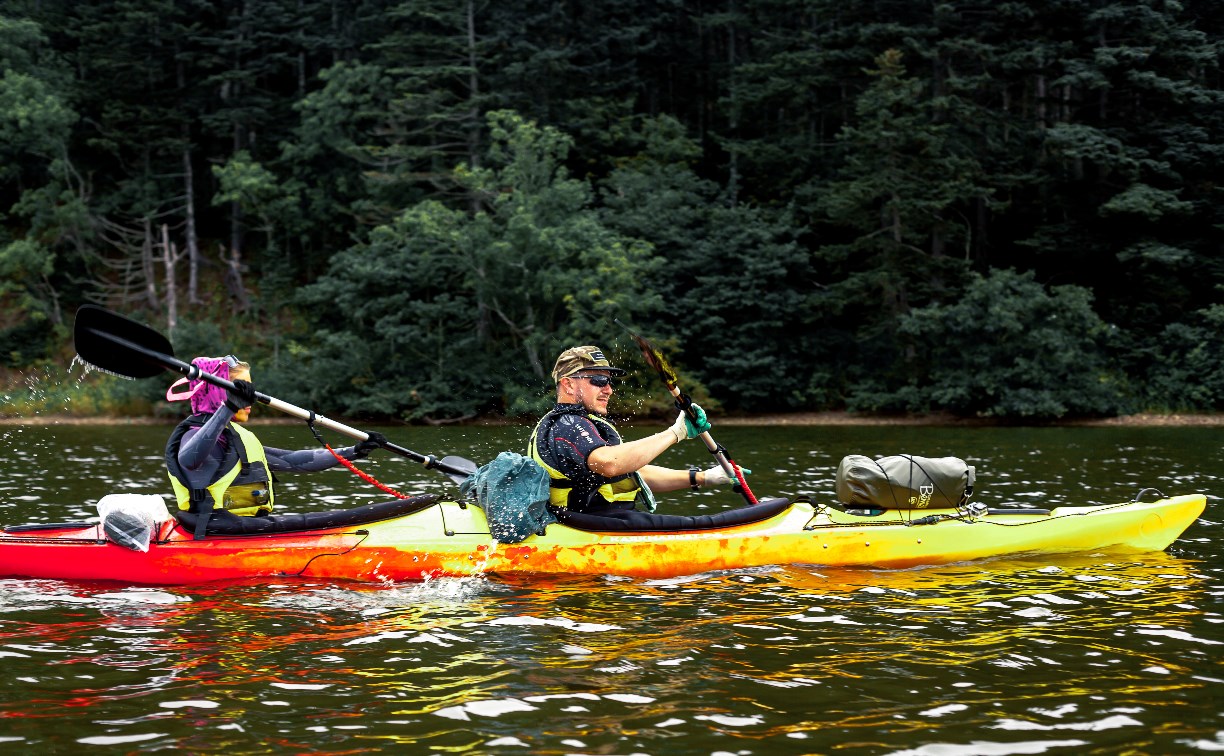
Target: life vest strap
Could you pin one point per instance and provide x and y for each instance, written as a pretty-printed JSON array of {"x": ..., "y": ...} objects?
[{"x": 202, "y": 517}]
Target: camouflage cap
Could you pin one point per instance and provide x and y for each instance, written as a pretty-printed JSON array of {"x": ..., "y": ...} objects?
[{"x": 577, "y": 359}]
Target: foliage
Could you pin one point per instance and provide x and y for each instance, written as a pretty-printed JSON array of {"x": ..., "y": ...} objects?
[
  {"x": 1009, "y": 347},
  {"x": 462, "y": 305},
  {"x": 1187, "y": 372},
  {"x": 731, "y": 278},
  {"x": 407, "y": 208}
]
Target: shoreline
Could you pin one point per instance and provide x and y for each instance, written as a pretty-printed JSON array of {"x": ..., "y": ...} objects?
[{"x": 814, "y": 419}]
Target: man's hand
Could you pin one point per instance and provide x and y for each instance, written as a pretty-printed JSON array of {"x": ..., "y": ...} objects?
[
  {"x": 685, "y": 428},
  {"x": 716, "y": 476}
]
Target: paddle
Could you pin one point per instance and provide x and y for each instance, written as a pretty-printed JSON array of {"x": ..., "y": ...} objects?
[
  {"x": 654, "y": 357},
  {"x": 121, "y": 346}
]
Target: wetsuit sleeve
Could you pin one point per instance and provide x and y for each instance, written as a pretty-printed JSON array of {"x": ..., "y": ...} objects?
[
  {"x": 571, "y": 441},
  {"x": 302, "y": 460},
  {"x": 197, "y": 446}
]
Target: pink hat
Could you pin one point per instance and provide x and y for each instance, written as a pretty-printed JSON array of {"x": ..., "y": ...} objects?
[{"x": 205, "y": 397}]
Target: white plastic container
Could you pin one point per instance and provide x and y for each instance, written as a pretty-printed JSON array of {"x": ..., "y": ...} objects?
[{"x": 130, "y": 520}]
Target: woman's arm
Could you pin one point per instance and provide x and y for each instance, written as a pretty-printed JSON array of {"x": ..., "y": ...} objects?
[
  {"x": 304, "y": 460},
  {"x": 197, "y": 446}
]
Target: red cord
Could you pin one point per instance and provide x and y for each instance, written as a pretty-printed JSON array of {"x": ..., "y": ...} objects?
[
  {"x": 366, "y": 476},
  {"x": 739, "y": 476}
]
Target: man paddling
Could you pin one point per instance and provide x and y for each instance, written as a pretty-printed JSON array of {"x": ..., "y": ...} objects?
[{"x": 591, "y": 469}]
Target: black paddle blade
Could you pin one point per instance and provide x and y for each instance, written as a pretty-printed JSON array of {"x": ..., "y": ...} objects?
[
  {"x": 117, "y": 344},
  {"x": 458, "y": 468}
]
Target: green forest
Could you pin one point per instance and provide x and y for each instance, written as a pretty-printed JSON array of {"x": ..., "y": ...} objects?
[{"x": 404, "y": 209}]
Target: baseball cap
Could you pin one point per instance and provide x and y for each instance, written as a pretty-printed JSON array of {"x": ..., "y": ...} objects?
[{"x": 577, "y": 359}]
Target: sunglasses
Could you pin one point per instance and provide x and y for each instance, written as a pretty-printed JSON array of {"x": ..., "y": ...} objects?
[{"x": 598, "y": 380}]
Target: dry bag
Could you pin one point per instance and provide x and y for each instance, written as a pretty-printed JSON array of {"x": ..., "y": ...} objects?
[{"x": 904, "y": 482}]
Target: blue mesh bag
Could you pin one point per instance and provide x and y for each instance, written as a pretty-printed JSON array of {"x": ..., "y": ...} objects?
[{"x": 513, "y": 491}]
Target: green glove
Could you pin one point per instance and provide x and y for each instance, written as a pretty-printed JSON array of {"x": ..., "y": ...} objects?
[
  {"x": 696, "y": 428},
  {"x": 685, "y": 428}
]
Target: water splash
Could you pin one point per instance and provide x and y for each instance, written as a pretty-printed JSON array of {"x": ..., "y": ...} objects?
[{"x": 89, "y": 367}]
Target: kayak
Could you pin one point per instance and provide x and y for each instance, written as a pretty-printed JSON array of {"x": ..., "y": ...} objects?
[{"x": 426, "y": 537}]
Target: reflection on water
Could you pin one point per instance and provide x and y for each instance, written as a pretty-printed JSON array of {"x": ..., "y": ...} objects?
[
  {"x": 782, "y": 659},
  {"x": 1074, "y": 654}
]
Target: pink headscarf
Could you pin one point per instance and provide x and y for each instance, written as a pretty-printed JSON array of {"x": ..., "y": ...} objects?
[{"x": 205, "y": 397}]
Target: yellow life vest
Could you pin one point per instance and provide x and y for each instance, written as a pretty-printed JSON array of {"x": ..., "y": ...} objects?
[
  {"x": 243, "y": 484},
  {"x": 628, "y": 488}
]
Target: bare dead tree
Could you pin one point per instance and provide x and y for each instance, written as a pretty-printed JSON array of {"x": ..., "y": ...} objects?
[
  {"x": 144, "y": 256},
  {"x": 170, "y": 258},
  {"x": 123, "y": 276},
  {"x": 231, "y": 261},
  {"x": 146, "y": 266},
  {"x": 193, "y": 239}
]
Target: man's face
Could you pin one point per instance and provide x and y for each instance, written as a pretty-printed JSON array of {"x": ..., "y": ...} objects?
[{"x": 585, "y": 392}]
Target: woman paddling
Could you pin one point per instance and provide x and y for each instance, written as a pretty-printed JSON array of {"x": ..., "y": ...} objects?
[{"x": 218, "y": 467}]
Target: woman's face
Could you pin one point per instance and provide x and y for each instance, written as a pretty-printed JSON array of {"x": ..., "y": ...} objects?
[{"x": 240, "y": 374}]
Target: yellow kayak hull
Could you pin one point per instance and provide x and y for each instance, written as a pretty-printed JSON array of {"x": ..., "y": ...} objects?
[{"x": 802, "y": 534}]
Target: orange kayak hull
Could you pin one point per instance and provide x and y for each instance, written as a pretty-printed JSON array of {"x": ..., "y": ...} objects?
[{"x": 453, "y": 539}]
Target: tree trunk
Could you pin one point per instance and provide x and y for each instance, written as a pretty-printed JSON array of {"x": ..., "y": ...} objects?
[
  {"x": 1041, "y": 102},
  {"x": 170, "y": 261},
  {"x": 232, "y": 263},
  {"x": 473, "y": 146},
  {"x": 473, "y": 89},
  {"x": 193, "y": 239},
  {"x": 733, "y": 120},
  {"x": 146, "y": 267}
]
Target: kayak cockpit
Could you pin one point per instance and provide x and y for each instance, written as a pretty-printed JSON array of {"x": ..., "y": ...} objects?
[
  {"x": 648, "y": 522},
  {"x": 225, "y": 523}
]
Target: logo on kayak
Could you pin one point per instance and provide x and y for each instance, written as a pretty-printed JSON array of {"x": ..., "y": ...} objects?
[{"x": 923, "y": 499}]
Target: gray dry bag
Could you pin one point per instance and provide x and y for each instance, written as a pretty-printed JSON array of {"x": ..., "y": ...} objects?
[{"x": 904, "y": 482}]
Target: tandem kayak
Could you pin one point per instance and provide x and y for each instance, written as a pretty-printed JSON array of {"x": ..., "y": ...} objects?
[{"x": 426, "y": 537}]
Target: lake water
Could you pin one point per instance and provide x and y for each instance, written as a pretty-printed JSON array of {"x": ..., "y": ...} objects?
[{"x": 1092, "y": 653}]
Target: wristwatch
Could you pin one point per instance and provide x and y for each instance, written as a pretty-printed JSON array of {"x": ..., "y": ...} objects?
[{"x": 693, "y": 477}]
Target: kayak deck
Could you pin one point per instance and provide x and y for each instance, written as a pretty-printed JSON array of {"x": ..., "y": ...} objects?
[{"x": 453, "y": 539}]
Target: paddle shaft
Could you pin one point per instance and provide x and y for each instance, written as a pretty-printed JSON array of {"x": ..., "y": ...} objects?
[
  {"x": 670, "y": 379},
  {"x": 194, "y": 373},
  {"x": 705, "y": 436}
]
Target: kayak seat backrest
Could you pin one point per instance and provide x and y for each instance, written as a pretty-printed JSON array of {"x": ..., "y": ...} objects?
[
  {"x": 227, "y": 523},
  {"x": 620, "y": 521}
]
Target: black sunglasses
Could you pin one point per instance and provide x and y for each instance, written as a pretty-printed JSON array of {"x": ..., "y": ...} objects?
[{"x": 598, "y": 380}]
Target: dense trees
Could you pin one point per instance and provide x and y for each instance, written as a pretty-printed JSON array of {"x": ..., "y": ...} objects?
[{"x": 404, "y": 208}]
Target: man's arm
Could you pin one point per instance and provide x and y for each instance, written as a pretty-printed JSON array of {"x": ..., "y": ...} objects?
[
  {"x": 631, "y": 456},
  {"x": 663, "y": 479}
]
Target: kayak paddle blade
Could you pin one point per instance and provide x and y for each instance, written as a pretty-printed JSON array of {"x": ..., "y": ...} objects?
[
  {"x": 458, "y": 469},
  {"x": 654, "y": 357},
  {"x": 119, "y": 345}
]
